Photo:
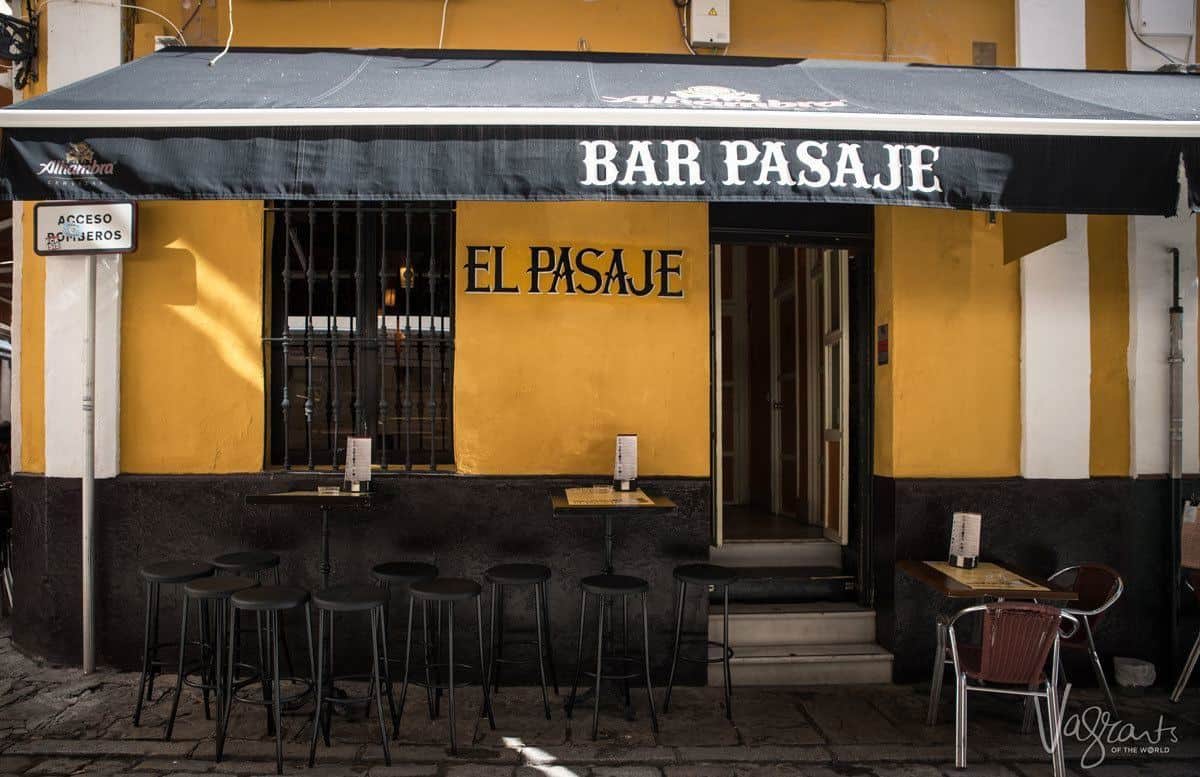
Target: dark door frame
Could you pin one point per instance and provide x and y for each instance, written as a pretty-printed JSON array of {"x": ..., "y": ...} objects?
[{"x": 858, "y": 555}]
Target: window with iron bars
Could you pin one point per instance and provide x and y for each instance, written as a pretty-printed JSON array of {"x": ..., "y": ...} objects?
[{"x": 361, "y": 333}]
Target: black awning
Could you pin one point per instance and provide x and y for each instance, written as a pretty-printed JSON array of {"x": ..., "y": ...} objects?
[{"x": 287, "y": 124}]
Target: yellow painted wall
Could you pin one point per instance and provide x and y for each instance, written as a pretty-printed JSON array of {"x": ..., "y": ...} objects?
[
  {"x": 33, "y": 353},
  {"x": 919, "y": 30},
  {"x": 953, "y": 384},
  {"x": 543, "y": 383},
  {"x": 1108, "y": 280},
  {"x": 191, "y": 340}
]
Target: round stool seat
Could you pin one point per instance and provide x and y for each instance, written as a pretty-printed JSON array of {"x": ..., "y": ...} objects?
[
  {"x": 518, "y": 574},
  {"x": 615, "y": 585},
  {"x": 404, "y": 572},
  {"x": 350, "y": 598},
  {"x": 179, "y": 571},
  {"x": 246, "y": 561},
  {"x": 218, "y": 587},
  {"x": 445, "y": 589},
  {"x": 705, "y": 574},
  {"x": 270, "y": 597}
]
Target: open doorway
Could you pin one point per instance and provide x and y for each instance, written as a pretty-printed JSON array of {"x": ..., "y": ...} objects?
[{"x": 783, "y": 405}]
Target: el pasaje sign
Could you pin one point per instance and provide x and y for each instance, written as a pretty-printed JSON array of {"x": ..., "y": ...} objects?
[
  {"x": 575, "y": 270},
  {"x": 62, "y": 228}
]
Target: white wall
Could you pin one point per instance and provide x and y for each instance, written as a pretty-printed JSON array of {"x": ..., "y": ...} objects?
[
  {"x": 1056, "y": 364},
  {"x": 1150, "y": 296},
  {"x": 85, "y": 39}
]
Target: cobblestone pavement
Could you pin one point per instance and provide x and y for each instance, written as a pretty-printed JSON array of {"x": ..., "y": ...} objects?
[{"x": 57, "y": 721}]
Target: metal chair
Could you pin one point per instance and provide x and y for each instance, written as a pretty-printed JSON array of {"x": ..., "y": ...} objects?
[
  {"x": 1097, "y": 587},
  {"x": 1185, "y": 675},
  {"x": 1016, "y": 640}
]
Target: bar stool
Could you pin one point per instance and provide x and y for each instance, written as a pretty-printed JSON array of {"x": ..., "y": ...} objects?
[
  {"x": 705, "y": 575},
  {"x": 157, "y": 575},
  {"x": 211, "y": 595},
  {"x": 609, "y": 588},
  {"x": 350, "y": 599},
  {"x": 448, "y": 591},
  {"x": 256, "y": 564},
  {"x": 266, "y": 602},
  {"x": 520, "y": 575},
  {"x": 401, "y": 574}
]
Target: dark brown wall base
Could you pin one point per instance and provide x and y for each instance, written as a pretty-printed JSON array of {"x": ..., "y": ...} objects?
[
  {"x": 1038, "y": 526},
  {"x": 464, "y": 524}
]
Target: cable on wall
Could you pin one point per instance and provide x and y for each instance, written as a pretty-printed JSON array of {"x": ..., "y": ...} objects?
[
  {"x": 228, "y": 39},
  {"x": 151, "y": 11},
  {"x": 681, "y": 11},
  {"x": 1137, "y": 35},
  {"x": 442, "y": 32}
]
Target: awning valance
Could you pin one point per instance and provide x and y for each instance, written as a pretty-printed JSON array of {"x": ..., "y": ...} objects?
[{"x": 300, "y": 124}]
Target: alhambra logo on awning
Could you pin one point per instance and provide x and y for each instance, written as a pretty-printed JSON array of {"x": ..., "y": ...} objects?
[
  {"x": 79, "y": 162},
  {"x": 707, "y": 96}
]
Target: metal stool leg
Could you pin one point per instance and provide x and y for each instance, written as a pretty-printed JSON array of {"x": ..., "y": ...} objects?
[
  {"x": 483, "y": 680},
  {"x": 404, "y": 677},
  {"x": 537, "y": 605},
  {"x": 141, "y": 693},
  {"x": 223, "y": 726},
  {"x": 549, "y": 635},
  {"x": 578, "y": 655},
  {"x": 179, "y": 673},
  {"x": 680, "y": 590},
  {"x": 499, "y": 627},
  {"x": 450, "y": 665},
  {"x": 273, "y": 619},
  {"x": 426, "y": 647},
  {"x": 494, "y": 617},
  {"x": 599, "y": 670},
  {"x": 154, "y": 621},
  {"x": 725, "y": 657},
  {"x": 263, "y": 670},
  {"x": 939, "y": 669},
  {"x": 376, "y": 638},
  {"x": 625, "y": 654},
  {"x": 646, "y": 656},
  {"x": 319, "y": 700},
  {"x": 1186, "y": 674},
  {"x": 205, "y": 653}
]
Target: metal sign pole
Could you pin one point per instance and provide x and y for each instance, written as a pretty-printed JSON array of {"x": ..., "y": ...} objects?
[{"x": 89, "y": 464}]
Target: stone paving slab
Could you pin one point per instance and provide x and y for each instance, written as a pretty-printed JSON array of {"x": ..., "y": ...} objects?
[{"x": 56, "y": 722}]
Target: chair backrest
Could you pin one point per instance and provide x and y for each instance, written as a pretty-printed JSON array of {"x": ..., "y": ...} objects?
[
  {"x": 1095, "y": 585},
  {"x": 1017, "y": 637}
]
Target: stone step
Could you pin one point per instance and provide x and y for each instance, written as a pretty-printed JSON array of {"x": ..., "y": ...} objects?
[
  {"x": 812, "y": 623},
  {"x": 841, "y": 664},
  {"x": 797, "y": 583},
  {"x": 814, "y": 553}
]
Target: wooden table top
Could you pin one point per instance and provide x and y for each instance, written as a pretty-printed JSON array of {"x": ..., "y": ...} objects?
[
  {"x": 558, "y": 501},
  {"x": 314, "y": 498},
  {"x": 952, "y": 589}
]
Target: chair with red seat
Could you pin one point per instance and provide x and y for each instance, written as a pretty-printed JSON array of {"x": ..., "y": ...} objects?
[
  {"x": 1016, "y": 639},
  {"x": 1097, "y": 588}
]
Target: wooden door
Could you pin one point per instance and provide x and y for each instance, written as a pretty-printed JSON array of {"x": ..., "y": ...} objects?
[
  {"x": 829, "y": 291},
  {"x": 786, "y": 329}
]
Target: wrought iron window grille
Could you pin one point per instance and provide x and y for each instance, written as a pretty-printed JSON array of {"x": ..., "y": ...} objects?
[
  {"x": 360, "y": 337},
  {"x": 19, "y": 45}
]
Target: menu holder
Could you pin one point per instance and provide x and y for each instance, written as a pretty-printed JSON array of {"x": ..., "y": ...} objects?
[
  {"x": 625, "y": 468},
  {"x": 358, "y": 463}
]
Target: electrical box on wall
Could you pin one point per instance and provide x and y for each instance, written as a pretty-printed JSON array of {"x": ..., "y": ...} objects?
[
  {"x": 708, "y": 24},
  {"x": 1165, "y": 17}
]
